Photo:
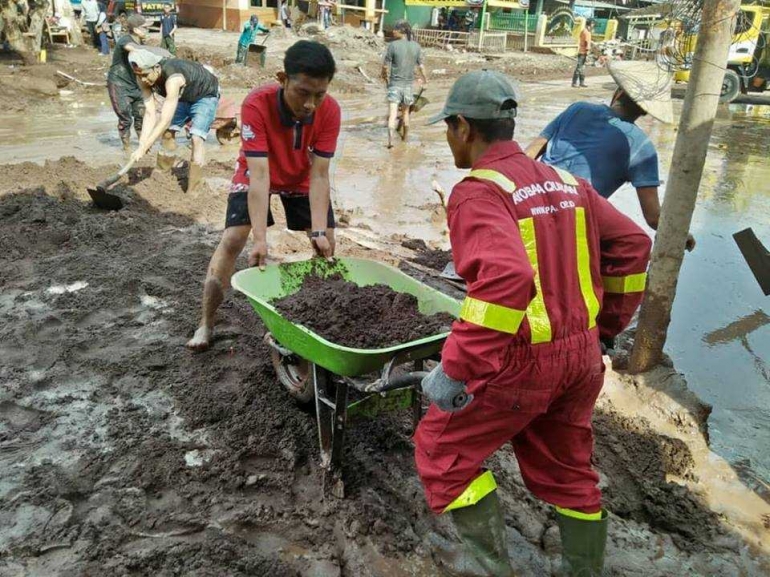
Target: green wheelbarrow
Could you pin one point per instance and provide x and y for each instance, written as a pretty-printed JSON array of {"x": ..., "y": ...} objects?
[{"x": 311, "y": 367}]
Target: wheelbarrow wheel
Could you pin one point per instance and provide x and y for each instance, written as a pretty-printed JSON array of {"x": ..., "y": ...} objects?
[
  {"x": 294, "y": 374},
  {"x": 227, "y": 134}
]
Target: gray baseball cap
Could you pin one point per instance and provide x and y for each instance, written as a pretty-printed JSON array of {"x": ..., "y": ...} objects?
[
  {"x": 136, "y": 21},
  {"x": 144, "y": 59},
  {"x": 479, "y": 95}
]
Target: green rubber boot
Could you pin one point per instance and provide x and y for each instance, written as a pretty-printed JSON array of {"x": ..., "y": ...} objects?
[
  {"x": 482, "y": 530},
  {"x": 582, "y": 545}
]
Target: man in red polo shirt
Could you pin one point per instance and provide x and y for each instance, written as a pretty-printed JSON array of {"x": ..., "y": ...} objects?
[{"x": 288, "y": 139}]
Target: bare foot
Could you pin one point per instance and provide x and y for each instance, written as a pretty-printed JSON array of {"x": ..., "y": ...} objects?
[{"x": 201, "y": 340}]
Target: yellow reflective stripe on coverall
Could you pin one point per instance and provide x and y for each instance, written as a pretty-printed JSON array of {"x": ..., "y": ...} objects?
[
  {"x": 496, "y": 177},
  {"x": 537, "y": 315},
  {"x": 633, "y": 283},
  {"x": 491, "y": 316},
  {"x": 479, "y": 488},
  {"x": 584, "y": 267}
]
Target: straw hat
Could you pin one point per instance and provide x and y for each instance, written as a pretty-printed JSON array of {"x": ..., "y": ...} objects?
[{"x": 647, "y": 85}]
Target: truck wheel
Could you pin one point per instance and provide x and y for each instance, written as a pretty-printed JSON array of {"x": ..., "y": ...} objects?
[{"x": 731, "y": 86}]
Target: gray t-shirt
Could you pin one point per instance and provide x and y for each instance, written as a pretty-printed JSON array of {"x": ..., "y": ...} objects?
[{"x": 402, "y": 56}]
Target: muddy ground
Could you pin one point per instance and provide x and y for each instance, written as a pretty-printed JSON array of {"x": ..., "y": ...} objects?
[{"x": 121, "y": 453}]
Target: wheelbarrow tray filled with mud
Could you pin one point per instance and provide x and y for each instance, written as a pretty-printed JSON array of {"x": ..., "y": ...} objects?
[
  {"x": 312, "y": 368},
  {"x": 277, "y": 281}
]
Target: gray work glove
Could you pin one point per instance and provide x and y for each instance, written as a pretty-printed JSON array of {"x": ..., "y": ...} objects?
[{"x": 448, "y": 395}]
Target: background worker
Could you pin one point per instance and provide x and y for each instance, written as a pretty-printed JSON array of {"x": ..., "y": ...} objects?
[
  {"x": 288, "y": 139},
  {"x": 401, "y": 58},
  {"x": 125, "y": 95},
  {"x": 190, "y": 93},
  {"x": 285, "y": 14},
  {"x": 249, "y": 34},
  {"x": 168, "y": 29},
  {"x": 102, "y": 29},
  {"x": 603, "y": 145},
  {"x": 120, "y": 26},
  {"x": 550, "y": 267},
  {"x": 90, "y": 12},
  {"x": 584, "y": 47}
]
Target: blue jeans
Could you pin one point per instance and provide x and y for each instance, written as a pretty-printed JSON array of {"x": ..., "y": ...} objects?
[
  {"x": 104, "y": 44},
  {"x": 202, "y": 113}
]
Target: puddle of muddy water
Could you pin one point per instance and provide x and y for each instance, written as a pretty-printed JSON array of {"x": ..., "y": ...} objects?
[{"x": 714, "y": 338}]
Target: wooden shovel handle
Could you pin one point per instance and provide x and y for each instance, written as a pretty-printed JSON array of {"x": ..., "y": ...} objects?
[{"x": 116, "y": 177}]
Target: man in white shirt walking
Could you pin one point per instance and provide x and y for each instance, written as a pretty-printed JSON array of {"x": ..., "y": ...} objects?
[{"x": 90, "y": 11}]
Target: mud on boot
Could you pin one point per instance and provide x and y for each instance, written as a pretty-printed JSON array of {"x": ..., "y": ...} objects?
[
  {"x": 483, "y": 552},
  {"x": 165, "y": 161},
  {"x": 167, "y": 152},
  {"x": 194, "y": 177}
]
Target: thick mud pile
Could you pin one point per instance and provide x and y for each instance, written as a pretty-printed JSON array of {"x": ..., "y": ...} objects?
[
  {"x": 367, "y": 317},
  {"x": 121, "y": 453},
  {"x": 432, "y": 258}
]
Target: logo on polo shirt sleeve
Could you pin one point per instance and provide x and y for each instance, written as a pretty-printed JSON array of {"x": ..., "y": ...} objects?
[{"x": 247, "y": 132}]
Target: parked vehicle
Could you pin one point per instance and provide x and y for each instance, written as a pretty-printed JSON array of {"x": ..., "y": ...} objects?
[
  {"x": 748, "y": 51},
  {"x": 152, "y": 10}
]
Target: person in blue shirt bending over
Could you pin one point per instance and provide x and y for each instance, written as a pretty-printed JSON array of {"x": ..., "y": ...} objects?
[
  {"x": 248, "y": 35},
  {"x": 602, "y": 144}
]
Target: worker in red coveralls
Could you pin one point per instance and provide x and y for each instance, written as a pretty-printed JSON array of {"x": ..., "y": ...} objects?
[{"x": 551, "y": 267}]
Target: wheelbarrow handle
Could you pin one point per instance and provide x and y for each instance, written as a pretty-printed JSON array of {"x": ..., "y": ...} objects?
[{"x": 412, "y": 379}]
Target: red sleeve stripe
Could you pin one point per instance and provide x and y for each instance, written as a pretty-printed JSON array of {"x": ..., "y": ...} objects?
[
  {"x": 254, "y": 153},
  {"x": 323, "y": 154}
]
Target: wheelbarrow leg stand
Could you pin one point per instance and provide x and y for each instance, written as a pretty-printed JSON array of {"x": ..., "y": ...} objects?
[
  {"x": 417, "y": 399},
  {"x": 331, "y": 414}
]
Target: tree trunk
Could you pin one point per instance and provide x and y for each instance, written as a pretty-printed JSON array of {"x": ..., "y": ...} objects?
[
  {"x": 22, "y": 24},
  {"x": 698, "y": 112}
]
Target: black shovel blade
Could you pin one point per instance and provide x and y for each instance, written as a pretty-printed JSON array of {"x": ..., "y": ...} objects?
[
  {"x": 756, "y": 256},
  {"x": 104, "y": 200}
]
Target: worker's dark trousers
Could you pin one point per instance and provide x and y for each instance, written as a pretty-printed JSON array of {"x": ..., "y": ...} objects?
[
  {"x": 240, "y": 56},
  {"x": 128, "y": 105},
  {"x": 580, "y": 70},
  {"x": 94, "y": 35}
]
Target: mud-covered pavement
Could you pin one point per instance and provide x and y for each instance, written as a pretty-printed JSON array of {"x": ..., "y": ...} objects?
[{"x": 121, "y": 453}]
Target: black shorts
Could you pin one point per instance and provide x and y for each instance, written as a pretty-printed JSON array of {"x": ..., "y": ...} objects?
[{"x": 295, "y": 206}]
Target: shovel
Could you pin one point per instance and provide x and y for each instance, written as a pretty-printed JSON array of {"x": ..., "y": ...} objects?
[
  {"x": 419, "y": 102},
  {"x": 102, "y": 198},
  {"x": 756, "y": 256},
  {"x": 416, "y": 106}
]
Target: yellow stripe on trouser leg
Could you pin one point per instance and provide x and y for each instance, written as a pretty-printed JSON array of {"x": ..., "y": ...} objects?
[
  {"x": 537, "y": 315},
  {"x": 633, "y": 283},
  {"x": 491, "y": 316},
  {"x": 479, "y": 488},
  {"x": 584, "y": 267},
  {"x": 580, "y": 515},
  {"x": 493, "y": 176}
]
